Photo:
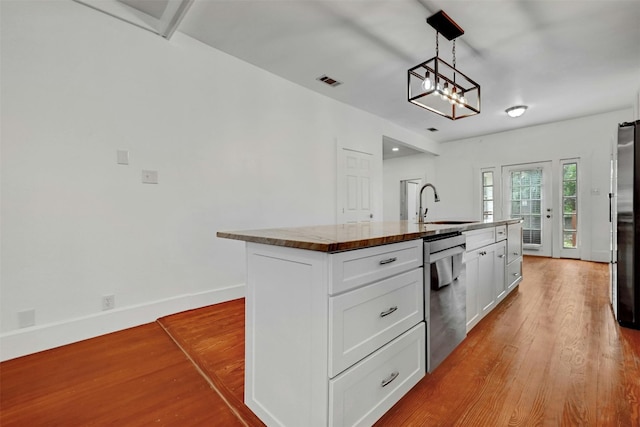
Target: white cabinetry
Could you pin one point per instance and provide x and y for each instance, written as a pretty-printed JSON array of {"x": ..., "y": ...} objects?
[
  {"x": 493, "y": 268},
  {"x": 485, "y": 269},
  {"x": 332, "y": 339},
  {"x": 514, "y": 256}
]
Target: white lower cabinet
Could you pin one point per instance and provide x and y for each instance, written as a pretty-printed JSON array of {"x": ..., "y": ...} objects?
[
  {"x": 493, "y": 268},
  {"x": 485, "y": 278},
  {"x": 363, "y": 393},
  {"x": 332, "y": 339}
]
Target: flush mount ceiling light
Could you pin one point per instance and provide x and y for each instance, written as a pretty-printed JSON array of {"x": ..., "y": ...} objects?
[
  {"x": 516, "y": 111},
  {"x": 440, "y": 87}
]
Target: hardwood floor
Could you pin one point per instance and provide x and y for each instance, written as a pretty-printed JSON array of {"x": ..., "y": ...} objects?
[
  {"x": 551, "y": 354},
  {"x": 133, "y": 377}
]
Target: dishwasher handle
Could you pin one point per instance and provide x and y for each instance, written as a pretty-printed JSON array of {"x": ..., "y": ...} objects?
[{"x": 446, "y": 253}]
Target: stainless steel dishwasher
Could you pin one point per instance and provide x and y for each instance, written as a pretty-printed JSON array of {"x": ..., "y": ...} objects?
[{"x": 445, "y": 296}]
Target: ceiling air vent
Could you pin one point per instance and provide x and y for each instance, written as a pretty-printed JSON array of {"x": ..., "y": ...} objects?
[
  {"x": 328, "y": 80},
  {"x": 432, "y": 129}
]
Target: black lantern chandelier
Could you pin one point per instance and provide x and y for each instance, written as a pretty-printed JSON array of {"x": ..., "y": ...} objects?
[{"x": 440, "y": 87}]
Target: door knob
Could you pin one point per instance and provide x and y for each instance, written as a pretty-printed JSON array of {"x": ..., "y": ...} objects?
[{"x": 548, "y": 216}]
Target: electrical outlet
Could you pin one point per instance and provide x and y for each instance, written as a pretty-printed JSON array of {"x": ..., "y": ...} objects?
[
  {"x": 149, "y": 177},
  {"x": 108, "y": 302},
  {"x": 26, "y": 318}
]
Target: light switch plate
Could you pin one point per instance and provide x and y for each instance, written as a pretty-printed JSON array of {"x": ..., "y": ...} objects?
[
  {"x": 123, "y": 157},
  {"x": 149, "y": 177}
]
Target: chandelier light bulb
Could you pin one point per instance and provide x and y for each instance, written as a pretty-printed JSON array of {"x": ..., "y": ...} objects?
[
  {"x": 438, "y": 90},
  {"x": 453, "y": 99},
  {"x": 445, "y": 92},
  {"x": 427, "y": 84}
]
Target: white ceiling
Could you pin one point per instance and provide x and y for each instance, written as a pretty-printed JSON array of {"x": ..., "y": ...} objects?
[{"x": 562, "y": 58}]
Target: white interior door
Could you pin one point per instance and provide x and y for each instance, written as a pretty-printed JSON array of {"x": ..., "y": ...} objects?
[
  {"x": 354, "y": 186},
  {"x": 409, "y": 190},
  {"x": 528, "y": 195}
]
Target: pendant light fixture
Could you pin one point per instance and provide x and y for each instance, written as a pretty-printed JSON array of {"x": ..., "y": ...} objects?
[{"x": 440, "y": 87}]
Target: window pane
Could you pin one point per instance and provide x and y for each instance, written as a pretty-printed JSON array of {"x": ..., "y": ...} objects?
[
  {"x": 569, "y": 222},
  {"x": 570, "y": 171},
  {"x": 515, "y": 193},
  {"x": 535, "y": 206},
  {"x": 535, "y": 192},
  {"x": 525, "y": 207},
  {"x": 515, "y": 179},
  {"x": 569, "y": 205},
  {"x": 536, "y": 177},
  {"x": 569, "y": 188},
  {"x": 569, "y": 240},
  {"x": 515, "y": 209},
  {"x": 535, "y": 222},
  {"x": 488, "y": 206},
  {"x": 488, "y": 193},
  {"x": 487, "y": 178}
]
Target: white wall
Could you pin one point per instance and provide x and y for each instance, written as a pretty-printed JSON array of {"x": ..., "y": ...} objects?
[
  {"x": 235, "y": 148},
  {"x": 588, "y": 138}
]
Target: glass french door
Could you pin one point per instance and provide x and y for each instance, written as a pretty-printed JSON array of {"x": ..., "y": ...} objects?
[{"x": 527, "y": 195}]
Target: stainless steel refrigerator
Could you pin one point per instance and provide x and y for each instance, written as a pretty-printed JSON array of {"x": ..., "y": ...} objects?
[{"x": 625, "y": 221}]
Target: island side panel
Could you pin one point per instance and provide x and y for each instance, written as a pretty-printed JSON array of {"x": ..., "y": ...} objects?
[{"x": 286, "y": 374}]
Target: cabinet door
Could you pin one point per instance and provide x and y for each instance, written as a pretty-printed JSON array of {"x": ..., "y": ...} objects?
[
  {"x": 500, "y": 260},
  {"x": 486, "y": 279},
  {"x": 472, "y": 266}
]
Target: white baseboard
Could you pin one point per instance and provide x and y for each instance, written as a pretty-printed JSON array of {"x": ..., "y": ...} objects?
[{"x": 43, "y": 337}]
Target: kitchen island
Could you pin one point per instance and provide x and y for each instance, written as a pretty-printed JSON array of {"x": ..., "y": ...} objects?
[{"x": 335, "y": 316}]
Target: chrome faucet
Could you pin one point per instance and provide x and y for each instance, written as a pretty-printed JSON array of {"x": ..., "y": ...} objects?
[{"x": 422, "y": 216}]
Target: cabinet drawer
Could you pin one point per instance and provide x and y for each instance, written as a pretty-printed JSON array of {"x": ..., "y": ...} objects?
[
  {"x": 365, "y": 319},
  {"x": 501, "y": 232},
  {"x": 355, "y": 268},
  {"x": 514, "y": 273},
  {"x": 361, "y": 395},
  {"x": 514, "y": 242},
  {"x": 479, "y": 238}
]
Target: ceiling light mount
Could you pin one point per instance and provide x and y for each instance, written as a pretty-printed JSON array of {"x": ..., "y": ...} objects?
[
  {"x": 516, "y": 111},
  {"x": 454, "y": 94}
]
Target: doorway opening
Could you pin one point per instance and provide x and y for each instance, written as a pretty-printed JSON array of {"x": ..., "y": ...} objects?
[{"x": 409, "y": 193}]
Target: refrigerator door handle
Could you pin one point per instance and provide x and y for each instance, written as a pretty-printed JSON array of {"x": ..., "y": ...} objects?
[{"x": 610, "y": 207}]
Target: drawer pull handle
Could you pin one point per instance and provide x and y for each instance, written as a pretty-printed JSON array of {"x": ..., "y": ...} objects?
[
  {"x": 388, "y": 260},
  {"x": 385, "y": 382},
  {"x": 516, "y": 253},
  {"x": 516, "y": 274},
  {"x": 388, "y": 312},
  {"x": 501, "y": 256}
]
